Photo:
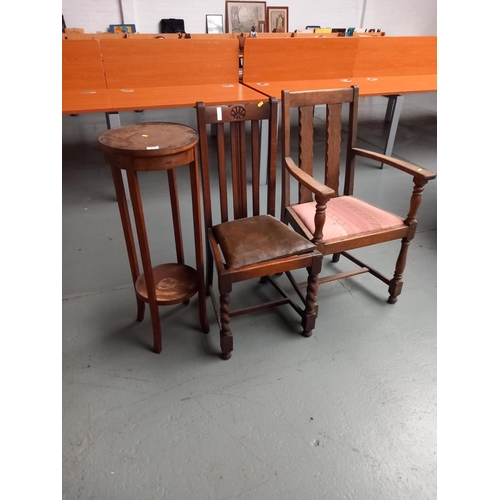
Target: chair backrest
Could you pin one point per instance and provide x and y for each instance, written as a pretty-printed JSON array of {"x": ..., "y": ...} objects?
[
  {"x": 232, "y": 157},
  {"x": 307, "y": 136}
]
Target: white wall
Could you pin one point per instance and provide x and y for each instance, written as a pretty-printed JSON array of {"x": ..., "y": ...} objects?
[
  {"x": 402, "y": 17},
  {"x": 395, "y": 17}
]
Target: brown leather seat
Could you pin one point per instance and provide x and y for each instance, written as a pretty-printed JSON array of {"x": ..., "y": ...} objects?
[{"x": 253, "y": 240}]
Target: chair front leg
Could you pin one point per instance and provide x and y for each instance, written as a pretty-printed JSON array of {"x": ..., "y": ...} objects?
[
  {"x": 396, "y": 284},
  {"x": 310, "y": 311},
  {"x": 226, "y": 336},
  {"x": 319, "y": 218}
]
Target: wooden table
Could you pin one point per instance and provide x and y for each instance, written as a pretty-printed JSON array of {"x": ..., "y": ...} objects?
[
  {"x": 379, "y": 66},
  {"x": 182, "y": 96},
  {"x": 84, "y": 88},
  {"x": 112, "y": 102},
  {"x": 114, "y": 75},
  {"x": 368, "y": 86},
  {"x": 148, "y": 147}
]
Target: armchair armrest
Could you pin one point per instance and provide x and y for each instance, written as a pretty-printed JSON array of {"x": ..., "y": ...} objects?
[
  {"x": 318, "y": 188},
  {"x": 409, "y": 168},
  {"x": 322, "y": 194},
  {"x": 420, "y": 178}
]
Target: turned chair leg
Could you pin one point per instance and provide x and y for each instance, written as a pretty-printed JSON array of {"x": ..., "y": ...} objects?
[
  {"x": 226, "y": 337},
  {"x": 309, "y": 316},
  {"x": 335, "y": 257},
  {"x": 396, "y": 284}
]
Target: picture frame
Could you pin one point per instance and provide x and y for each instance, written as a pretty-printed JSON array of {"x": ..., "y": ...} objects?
[
  {"x": 122, "y": 28},
  {"x": 241, "y": 16},
  {"x": 277, "y": 19},
  {"x": 214, "y": 23}
]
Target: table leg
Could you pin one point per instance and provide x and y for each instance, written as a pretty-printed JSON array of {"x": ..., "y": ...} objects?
[
  {"x": 129, "y": 235},
  {"x": 142, "y": 238},
  {"x": 112, "y": 119},
  {"x": 176, "y": 217},
  {"x": 195, "y": 197},
  {"x": 392, "y": 114}
]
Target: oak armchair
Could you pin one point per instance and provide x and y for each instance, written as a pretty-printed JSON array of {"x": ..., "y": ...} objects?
[{"x": 340, "y": 222}]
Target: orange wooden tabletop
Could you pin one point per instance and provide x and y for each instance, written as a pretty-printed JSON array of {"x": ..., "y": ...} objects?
[
  {"x": 181, "y": 96},
  {"x": 116, "y": 100},
  {"x": 82, "y": 67},
  {"x": 371, "y": 86},
  {"x": 86, "y": 101},
  {"x": 377, "y": 65}
]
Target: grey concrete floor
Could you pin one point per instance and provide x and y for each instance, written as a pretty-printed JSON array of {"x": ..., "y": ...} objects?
[{"x": 348, "y": 413}]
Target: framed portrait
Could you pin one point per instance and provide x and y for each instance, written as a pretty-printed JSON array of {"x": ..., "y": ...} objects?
[
  {"x": 122, "y": 28},
  {"x": 214, "y": 23},
  {"x": 241, "y": 16},
  {"x": 277, "y": 19}
]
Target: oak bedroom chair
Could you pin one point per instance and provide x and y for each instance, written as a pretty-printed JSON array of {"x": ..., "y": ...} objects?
[{"x": 244, "y": 239}]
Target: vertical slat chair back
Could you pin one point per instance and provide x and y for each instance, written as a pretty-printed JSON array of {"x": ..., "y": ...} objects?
[
  {"x": 305, "y": 104},
  {"x": 236, "y": 154}
]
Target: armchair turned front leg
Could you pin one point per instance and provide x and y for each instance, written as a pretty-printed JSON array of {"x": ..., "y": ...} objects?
[
  {"x": 319, "y": 219},
  {"x": 396, "y": 284}
]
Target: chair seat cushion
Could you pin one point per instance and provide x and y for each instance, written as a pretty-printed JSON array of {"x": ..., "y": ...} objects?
[
  {"x": 258, "y": 239},
  {"x": 347, "y": 216}
]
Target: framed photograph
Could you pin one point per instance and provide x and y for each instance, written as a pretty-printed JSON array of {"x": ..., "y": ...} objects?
[
  {"x": 242, "y": 16},
  {"x": 122, "y": 28},
  {"x": 277, "y": 19},
  {"x": 214, "y": 23}
]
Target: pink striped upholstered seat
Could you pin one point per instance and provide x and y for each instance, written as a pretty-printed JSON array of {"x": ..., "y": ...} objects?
[{"x": 346, "y": 216}]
